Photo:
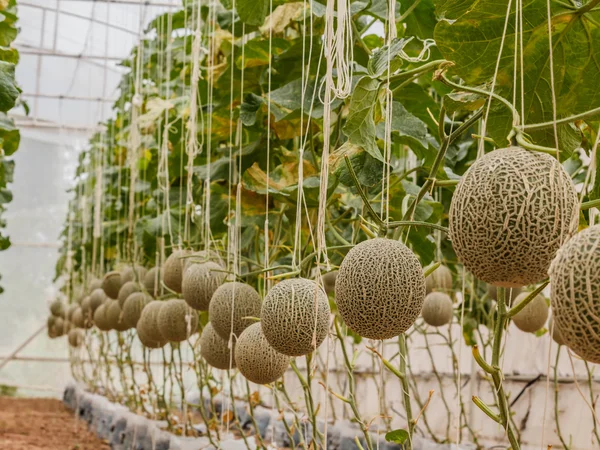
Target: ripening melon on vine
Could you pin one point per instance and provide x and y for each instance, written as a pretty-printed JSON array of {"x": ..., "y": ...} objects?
[
  {"x": 147, "y": 326},
  {"x": 172, "y": 270},
  {"x": 77, "y": 318},
  {"x": 295, "y": 316},
  {"x": 439, "y": 280},
  {"x": 57, "y": 308},
  {"x": 176, "y": 320},
  {"x": 380, "y": 288},
  {"x": 94, "y": 284},
  {"x": 76, "y": 337},
  {"x": 200, "y": 281},
  {"x": 59, "y": 327},
  {"x": 133, "y": 273},
  {"x": 231, "y": 308},
  {"x": 556, "y": 336},
  {"x": 100, "y": 319},
  {"x": 256, "y": 359},
  {"x": 133, "y": 307},
  {"x": 329, "y": 281},
  {"x": 114, "y": 316},
  {"x": 215, "y": 350},
  {"x": 112, "y": 284},
  {"x": 126, "y": 290},
  {"x": 533, "y": 317},
  {"x": 70, "y": 310},
  {"x": 575, "y": 293},
  {"x": 510, "y": 213},
  {"x": 152, "y": 281},
  {"x": 437, "y": 309}
]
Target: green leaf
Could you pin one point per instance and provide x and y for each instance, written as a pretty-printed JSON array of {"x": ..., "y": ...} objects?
[
  {"x": 378, "y": 64},
  {"x": 10, "y": 137},
  {"x": 410, "y": 130},
  {"x": 360, "y": 125},
  {"x": 252, "y": 12},
  {"x": 249, "y": 109},
  {"x": 257, "y": 52},
  {"x": 4, "y": 242},
  {"x": 399, "y": 436},
  {"x": 472, "y": 39},
  {"x": 5, "y": 196},
  {"x": 367, "y": 168},
  {"x": 288, "y": 99},
  {"x": 8, "y": 86},
  {"x": 462, "y": 102}
]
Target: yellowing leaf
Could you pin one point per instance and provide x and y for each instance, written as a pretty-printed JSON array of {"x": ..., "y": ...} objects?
[{"x": 282, "y": 17}]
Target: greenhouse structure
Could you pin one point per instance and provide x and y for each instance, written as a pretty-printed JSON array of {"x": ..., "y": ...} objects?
[{"x": 304, "y": 225}]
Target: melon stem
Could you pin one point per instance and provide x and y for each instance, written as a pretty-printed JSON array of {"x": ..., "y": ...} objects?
[
  {"x": 406, "y": 391},
  {"x": 497, "y": 376}
]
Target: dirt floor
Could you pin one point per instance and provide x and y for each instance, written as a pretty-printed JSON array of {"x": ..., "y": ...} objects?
[{"x": 40, "y": 423}]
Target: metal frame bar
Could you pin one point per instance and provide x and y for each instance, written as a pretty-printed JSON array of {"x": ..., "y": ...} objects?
[
  {"x": 41, "y": 52},
  {"x": 68, "y": 97},
  {"x": 79, "y": 16},
  {"x": 132, "y": 2}
]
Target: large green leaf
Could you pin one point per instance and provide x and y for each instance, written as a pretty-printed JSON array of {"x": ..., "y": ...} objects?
[
  {"x": 8, "y": 86},
  {"x": 10, "y": 137},
  {"x": 360, "y": 125},
  {"x": 472, "y": 40},
  {"x": 252, "y": 12},
  {"x": 407, "y": 129}
]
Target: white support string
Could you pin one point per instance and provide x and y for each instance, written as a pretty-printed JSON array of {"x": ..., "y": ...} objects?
[{"x": 193, "y": 146}]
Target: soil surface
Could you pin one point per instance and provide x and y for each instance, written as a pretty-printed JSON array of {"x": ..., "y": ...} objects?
[{"x": 41, "y": 423}]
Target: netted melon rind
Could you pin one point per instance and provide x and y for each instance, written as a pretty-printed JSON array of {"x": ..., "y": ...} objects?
[
  {"x": 380, "y": 288},
  {"x": 534, "y": 316},
  {"x": 97, "y": 298},
  {"x": 100, "y": 319},
  {"x": 147, "y": 341},
  {"x": 70, "y": 310},
  {"x": 57, "y": 308},
  {"x": 295, "y": 316},
  {"x": 152, "y": 281},
  {"x": 437, "y": 309},
  {"x": 112, "y": 284},
  {"x": 256, "y": 359},
  {"x": 510, "y": 213},
  {"x": 200, "y": 281},
  {"x": 214, "y": 349},
  {"x": 148, "y": 323},
  {"x": 556, "y": 336},
  {"x": 129, "y": 274},
  {"x": 77, "y": 318},
  {"x": 173, "y": 270},
  {"x": 76, "y": 337},
  {"x": 95, "y": 283},
  {"x": 133, "y": 307},
  {"x": 126, "y": 290},
  {"x": 575, "y": 293},
  {"x": 177, "y": 321},
  {"x": 239, "y": 297},
  {"x": 114, "y": 316},
  {"x": 59, "y": 327},
  {"x": 439, "y": 280},
  {"x": 329, "y": 281}
]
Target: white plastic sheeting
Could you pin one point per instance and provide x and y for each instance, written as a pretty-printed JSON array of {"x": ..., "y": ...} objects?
[{"x": 68, "y": 95}]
